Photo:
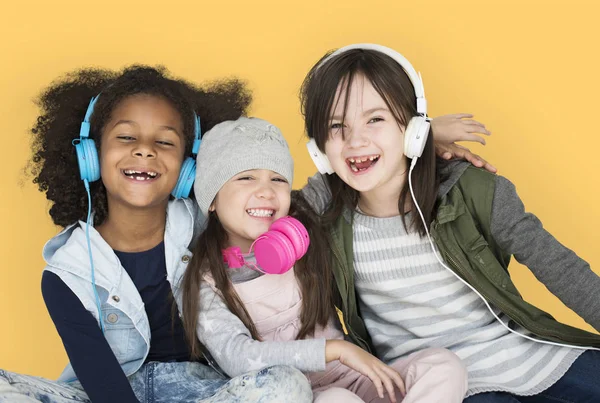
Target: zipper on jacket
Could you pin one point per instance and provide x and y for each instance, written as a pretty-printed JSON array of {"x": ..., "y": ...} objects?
[{"x": 353, "y": 335}]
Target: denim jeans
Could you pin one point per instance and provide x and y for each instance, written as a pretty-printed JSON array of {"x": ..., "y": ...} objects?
[
  {"x": 159, "y": 382},
  {"x": 580, "y": 384}
]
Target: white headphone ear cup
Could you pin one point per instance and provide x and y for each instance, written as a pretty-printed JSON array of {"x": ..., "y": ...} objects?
[
  {"x": 321, "y": 161},
  {"x": 415, "y": 136}
]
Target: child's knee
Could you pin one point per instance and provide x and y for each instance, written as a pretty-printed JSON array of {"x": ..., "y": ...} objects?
[
  {"x": 437, "y": 363},
  {"x": 336, "y": 395},
  {"x": 271, "y": 384},
  {"x": 286, "y": 382},
  {"x": 448, "y": 365}
]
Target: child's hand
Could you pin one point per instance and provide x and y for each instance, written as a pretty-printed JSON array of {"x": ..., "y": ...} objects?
[
  {"x": 359, "y": 360},
  {"x": 449, "y": 129}
]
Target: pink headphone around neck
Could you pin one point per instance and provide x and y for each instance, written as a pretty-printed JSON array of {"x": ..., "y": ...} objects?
[{"x": 277, "y": 250}]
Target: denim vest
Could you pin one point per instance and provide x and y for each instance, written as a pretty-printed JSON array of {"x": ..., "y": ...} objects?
[{"x": 126, "y": 325}]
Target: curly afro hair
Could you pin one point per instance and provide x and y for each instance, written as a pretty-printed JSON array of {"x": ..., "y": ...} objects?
[{"x": 64, "y": 103}]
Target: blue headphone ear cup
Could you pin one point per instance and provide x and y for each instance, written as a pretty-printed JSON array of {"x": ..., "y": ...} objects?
[
  {"x": 187, "y": 175},
  {"x": 87, "y": 159}
]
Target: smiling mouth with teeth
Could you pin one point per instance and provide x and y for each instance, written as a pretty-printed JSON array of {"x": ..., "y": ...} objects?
[
  {"x": 261, "y": 213},
  {"x": 359, "y": 164},
  {"x": 140, "y": 175}
]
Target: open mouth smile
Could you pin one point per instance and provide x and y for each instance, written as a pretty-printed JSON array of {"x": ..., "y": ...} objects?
[
  {"x": 362, "y": 164},
  {"x": 260, "y": 212},
  {"x": 140, "y": 176}
]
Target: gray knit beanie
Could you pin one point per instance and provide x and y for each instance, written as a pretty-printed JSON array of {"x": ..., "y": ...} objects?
[{"x": 235, "y": 146}]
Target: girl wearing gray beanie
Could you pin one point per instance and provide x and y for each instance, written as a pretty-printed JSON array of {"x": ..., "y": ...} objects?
[{"x": 247, "y": 319}]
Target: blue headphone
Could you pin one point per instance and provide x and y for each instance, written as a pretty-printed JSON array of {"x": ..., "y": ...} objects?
[{"x": 89, "y": 166}]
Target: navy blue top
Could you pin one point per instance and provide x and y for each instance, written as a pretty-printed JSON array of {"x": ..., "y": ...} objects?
[{"x": 92, "y": 359}]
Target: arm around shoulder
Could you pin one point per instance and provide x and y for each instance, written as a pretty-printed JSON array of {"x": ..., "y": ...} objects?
[{"x": 317, "y": 193}]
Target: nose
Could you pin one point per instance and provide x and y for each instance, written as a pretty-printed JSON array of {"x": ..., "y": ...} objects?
[
  {"x": 265, "y": 191},
  {"x": 144, "y": 149},
  {"x": 356, "y": 137}
]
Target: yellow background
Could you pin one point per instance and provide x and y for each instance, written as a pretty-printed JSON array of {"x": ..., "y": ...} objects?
[{"x": 528, "y": 69}]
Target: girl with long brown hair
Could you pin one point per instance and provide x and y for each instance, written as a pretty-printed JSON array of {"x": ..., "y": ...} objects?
[{"x": 365, "y": 111}]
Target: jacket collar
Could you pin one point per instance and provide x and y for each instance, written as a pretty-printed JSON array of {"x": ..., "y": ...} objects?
[{"x": 68, "y": 250}]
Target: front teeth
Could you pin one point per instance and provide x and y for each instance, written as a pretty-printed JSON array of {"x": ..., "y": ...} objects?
[
  {"x": 132, "y": 173},
  {"x": 260, "y": 212},
  {"x": 363, "y": 159}
]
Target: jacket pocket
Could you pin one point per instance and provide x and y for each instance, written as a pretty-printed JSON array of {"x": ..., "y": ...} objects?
[
  {"x": 480, "y": 255},
  {"x": 118, "y": 331}
]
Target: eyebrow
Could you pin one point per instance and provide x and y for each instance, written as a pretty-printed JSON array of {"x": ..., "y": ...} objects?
[
  {"x": 367, "y": 112},
  {"x": 133, "y": 123}
]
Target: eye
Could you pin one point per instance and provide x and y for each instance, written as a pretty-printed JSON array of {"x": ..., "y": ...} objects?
[
  {"x": 126, "y": 138},
  {"x": 282, "y": 180},
  {"x": 245, "y": 178},
  {"x": 165, "y": 143},
  {"x": 376, "y": 119},
  {"x": 336, "y": 129}
]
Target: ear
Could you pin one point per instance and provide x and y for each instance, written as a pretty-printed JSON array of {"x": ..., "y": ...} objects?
[{"x": 212, "y": 207}]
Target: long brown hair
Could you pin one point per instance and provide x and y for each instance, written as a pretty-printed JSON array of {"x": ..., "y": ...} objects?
[
  {"x": 318, "y": 100},
  {"x": 313, "y": 272}
]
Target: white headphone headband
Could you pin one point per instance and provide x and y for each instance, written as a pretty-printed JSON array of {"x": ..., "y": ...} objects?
[{"x": 414, "y": 77}]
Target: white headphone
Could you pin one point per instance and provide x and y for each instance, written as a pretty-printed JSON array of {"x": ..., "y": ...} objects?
[{"x": 417, "y": 130}]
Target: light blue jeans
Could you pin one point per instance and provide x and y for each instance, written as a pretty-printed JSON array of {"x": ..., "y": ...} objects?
[{"x": 161, "y": 382}]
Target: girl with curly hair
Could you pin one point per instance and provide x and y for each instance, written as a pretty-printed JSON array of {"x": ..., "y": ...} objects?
[{"x": 112, "y": 276}]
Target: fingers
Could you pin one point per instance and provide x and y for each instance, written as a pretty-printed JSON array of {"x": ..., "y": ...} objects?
[
  {"x": 387, "y": 382},
  {"x": 442, "y": 151},
  {"x": 467, "y": 119},
  {"x": 466, "y": 154},
  {"x": 457, "y": 151},
  {"x": 461, "y": 147},
  {"x": 396, "y": 378},
  {"x": 489, "y": 167},
  {"x": 376, "y": 379},
  {"x": 474, "y": 126},
  {"x": 476, "y": 160},
  {"x": 467, "y": 135},
  {"x": 450, "y": 151}
]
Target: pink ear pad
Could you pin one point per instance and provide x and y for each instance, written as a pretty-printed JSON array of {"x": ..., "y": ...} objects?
[
  {"x": 274, "y": 253},
  {"x": 295, "y": 232}
]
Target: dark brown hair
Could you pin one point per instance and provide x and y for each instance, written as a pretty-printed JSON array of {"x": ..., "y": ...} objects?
[
  {"x": 318, "y": 100},
  {"x": 63, "y": 105},
  {"x": 313, "y": 272}
]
